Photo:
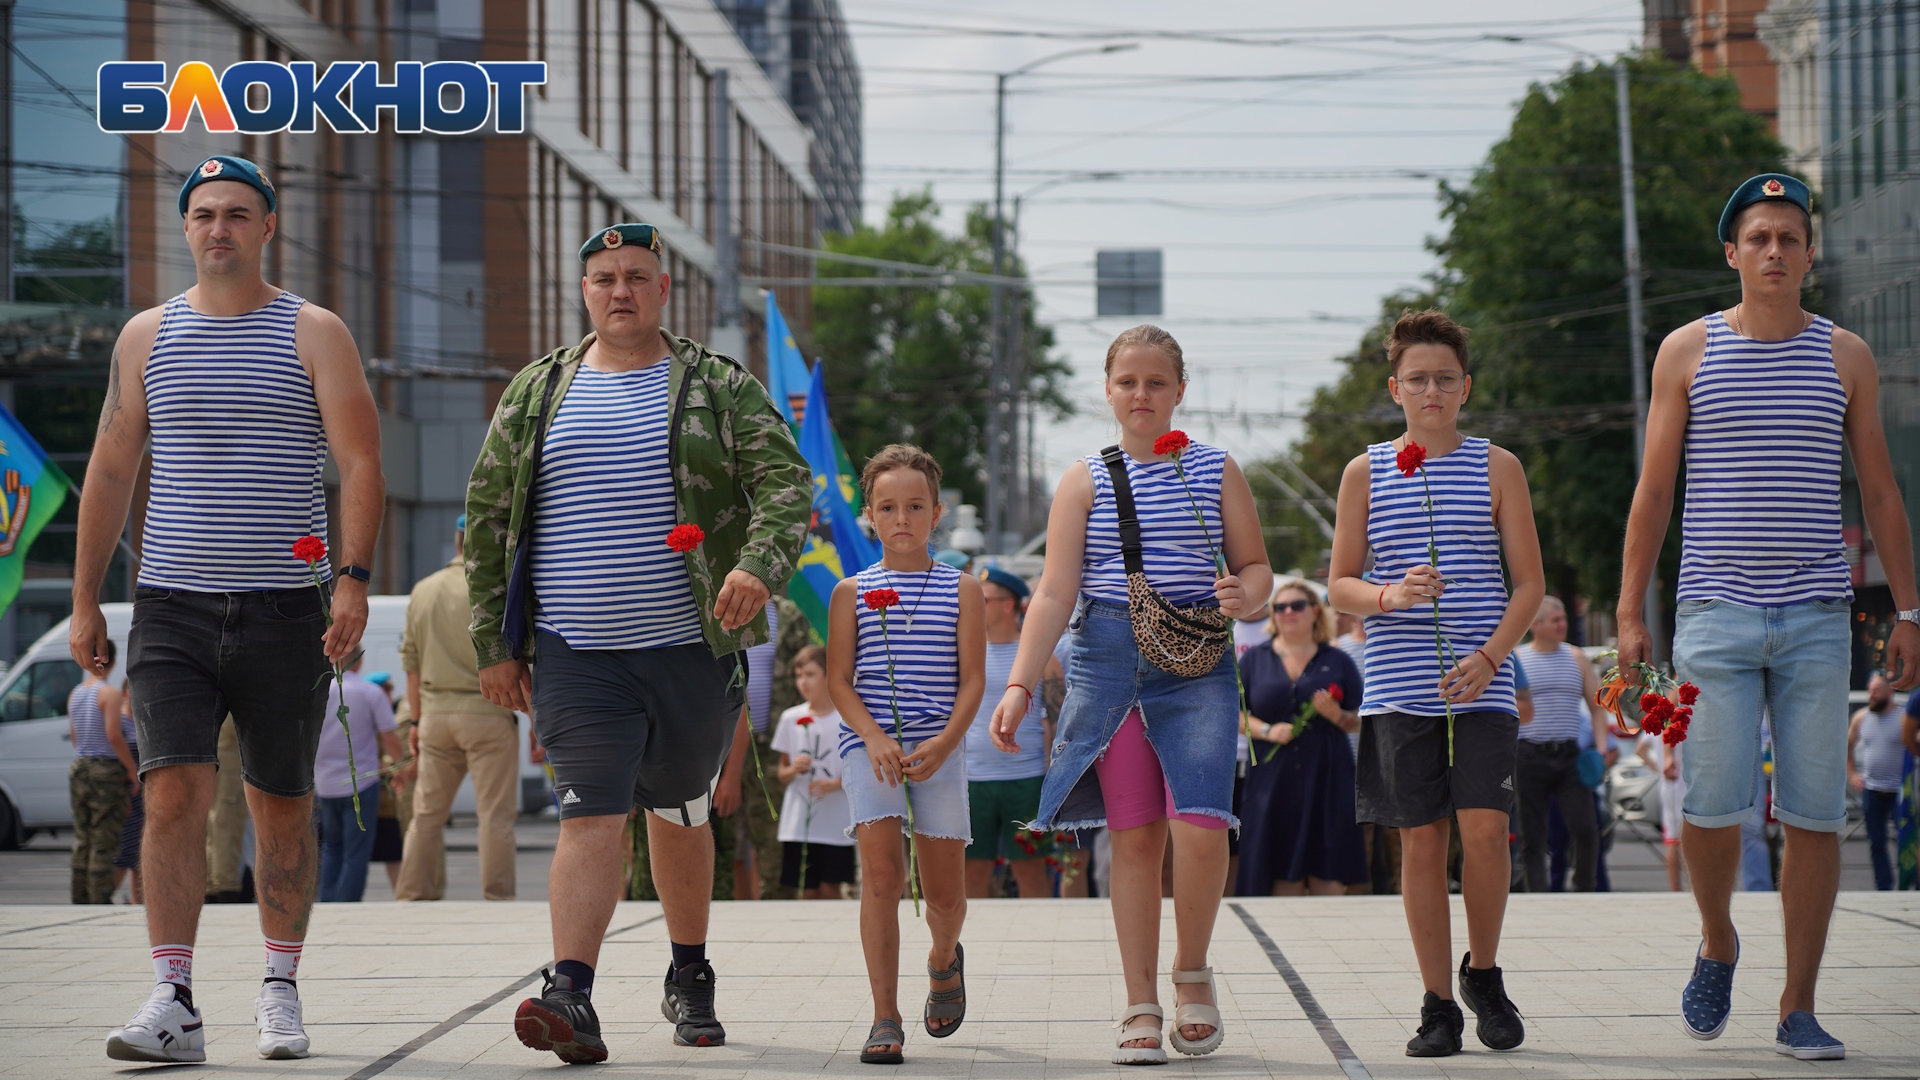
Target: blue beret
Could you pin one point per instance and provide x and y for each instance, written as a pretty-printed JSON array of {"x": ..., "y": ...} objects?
[
  {"x": 379, "y": 678},
  {"x": 614, "y": 236},
  {"x": 1006, "y": 579},
  {"x": 228, "y": 167},
  {"x": 1760, "y": 188},
  {"x": 953, "y": 557},
  {"x": 461, "y": 523}
]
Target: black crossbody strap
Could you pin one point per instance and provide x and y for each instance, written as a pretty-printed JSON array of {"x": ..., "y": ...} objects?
[{"x": 1116, "y": 460}]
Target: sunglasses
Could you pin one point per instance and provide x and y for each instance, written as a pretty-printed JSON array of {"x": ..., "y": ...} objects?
[{"x": 1295, "y": 606}]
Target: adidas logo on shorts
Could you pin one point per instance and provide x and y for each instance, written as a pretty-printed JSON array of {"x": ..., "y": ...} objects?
[
  {"x": 1507, "y": 784},
  {"x": 569, "y": 798}
]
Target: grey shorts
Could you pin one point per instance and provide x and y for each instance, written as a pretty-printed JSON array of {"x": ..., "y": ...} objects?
[
  {"x": 636, "y": 727},
  {"x": 1402, "y": 779}
]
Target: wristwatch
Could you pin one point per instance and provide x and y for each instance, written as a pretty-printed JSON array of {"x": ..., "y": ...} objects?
[
  {"x": 1911, "y": 615},
  {"x": 357, "y": 573}
]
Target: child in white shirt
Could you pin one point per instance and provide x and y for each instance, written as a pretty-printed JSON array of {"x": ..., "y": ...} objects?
[
  {"x": 1665, "y": 760},
  {"x": 814, "y": 817}
]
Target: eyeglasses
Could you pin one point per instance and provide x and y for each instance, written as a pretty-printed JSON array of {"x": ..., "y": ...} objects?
[
  {"x": 1295, "y": 606},
  {"x": 1447, "y": 381}
]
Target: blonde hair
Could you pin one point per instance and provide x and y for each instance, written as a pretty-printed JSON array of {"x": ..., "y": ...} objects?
[
  {"x": 900, "y": 456},
  {"x": 1322, "y": 614},
  {"x": 1148, "y": 336}
]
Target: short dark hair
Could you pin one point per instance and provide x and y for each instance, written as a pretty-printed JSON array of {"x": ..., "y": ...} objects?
[
  {"x": 1429, "y": 327},
  {"x": 811, "y": 654}
]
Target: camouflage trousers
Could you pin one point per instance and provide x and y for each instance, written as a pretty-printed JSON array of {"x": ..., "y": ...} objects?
[{"x": 101, "y": 797}]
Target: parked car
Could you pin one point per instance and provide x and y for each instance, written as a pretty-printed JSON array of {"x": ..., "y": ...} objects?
[{"x": 36, "y": 741}]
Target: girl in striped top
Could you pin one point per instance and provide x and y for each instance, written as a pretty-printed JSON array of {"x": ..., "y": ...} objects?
[
  {"x": 1439, "y": 739},
  {"x": 1144, "y": 752},
  {"x": 907, "y": 678}
]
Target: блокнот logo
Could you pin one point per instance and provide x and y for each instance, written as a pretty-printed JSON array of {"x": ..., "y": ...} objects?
[{"x": 134, "y": 96}]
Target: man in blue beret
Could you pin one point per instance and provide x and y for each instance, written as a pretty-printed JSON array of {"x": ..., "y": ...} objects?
[
  {"x": 240, "y": 390},
  {"x": 1003, "y": 790},
  {"x": 637, "y": 501},
  {"x": 1761, "y": 399}
]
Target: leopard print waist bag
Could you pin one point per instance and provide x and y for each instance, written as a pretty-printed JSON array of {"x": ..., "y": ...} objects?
[{"x": 1185, "y": 641}]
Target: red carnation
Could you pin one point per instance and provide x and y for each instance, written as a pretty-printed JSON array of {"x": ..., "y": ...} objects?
[
  {"x": 684, "y": 538},
  {"x": 1683, "y": 715},
  {"x": 1409, "y": 460},
  {"x": 805, "y": 721},
  {"x": 1650, "y": 703},
  {"x": 1651, "y": 724},
  {"x": 1689, "y": 693},
  {"x": 880, "y": 599},
  {"x": 310, "y": 549},
  {"x": 1676, "y": 734},
  {"x": 1171, "y": 443},
  {"x": 1337, "y": 694}
]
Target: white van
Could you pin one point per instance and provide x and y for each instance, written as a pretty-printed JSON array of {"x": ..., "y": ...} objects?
[{"x": 36, "y": 741}]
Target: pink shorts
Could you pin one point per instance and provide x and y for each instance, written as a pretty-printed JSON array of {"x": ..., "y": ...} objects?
[{"x": 1132, "y": 784}]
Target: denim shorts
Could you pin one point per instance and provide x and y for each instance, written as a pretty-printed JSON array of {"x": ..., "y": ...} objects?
[
  {"x": 195, "y": 657},
  {"x": 1789, "y": 663},
  {"x": 1192, "y": 724},
  {"x": 939, "y": 802}
]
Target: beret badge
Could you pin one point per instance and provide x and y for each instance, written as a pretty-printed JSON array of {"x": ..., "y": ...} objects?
[
  {"x": 1773, "y": 189},
  {"x": 211, "y": 167},
  {"x": 612, "y": 239}
]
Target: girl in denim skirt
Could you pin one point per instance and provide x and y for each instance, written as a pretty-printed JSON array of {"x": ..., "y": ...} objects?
[
  {"x": 1144, "y": 752},
  {"x": 906, "y": 652}
]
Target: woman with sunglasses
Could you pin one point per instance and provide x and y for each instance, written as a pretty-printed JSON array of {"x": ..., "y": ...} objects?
[
  {"x": 1147, "y": 753},
  {"x": 1299, "y": 833}
]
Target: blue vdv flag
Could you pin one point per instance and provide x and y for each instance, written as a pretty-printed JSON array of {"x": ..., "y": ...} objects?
[
  {"x": 836, "y": 548},
  {"x": 786, "y": 368}
]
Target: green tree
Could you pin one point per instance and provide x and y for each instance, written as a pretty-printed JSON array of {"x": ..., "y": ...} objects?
[
  {"x": 1533, "y": 263},
  {"x": 910, "y": 363}
]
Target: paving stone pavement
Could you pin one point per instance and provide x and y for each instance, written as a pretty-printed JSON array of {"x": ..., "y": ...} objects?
[{"x": 428, "y": 990}]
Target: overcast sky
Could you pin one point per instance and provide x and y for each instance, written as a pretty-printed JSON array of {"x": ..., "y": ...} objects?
[{"x": 1284, "y": 156}]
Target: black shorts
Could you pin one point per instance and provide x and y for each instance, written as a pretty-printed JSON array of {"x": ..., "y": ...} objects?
[
  {"x": 195, "y": 657},
  {"x": 828, "y": 864},
  {"x": 636, "y": 727},
  {"x": 1403, "y": 781}
]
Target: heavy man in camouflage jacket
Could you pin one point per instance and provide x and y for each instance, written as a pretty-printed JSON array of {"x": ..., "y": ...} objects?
[{"x": 622, "y": 478}]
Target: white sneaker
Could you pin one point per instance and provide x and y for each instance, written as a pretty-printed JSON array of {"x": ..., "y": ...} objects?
[
  {"x": 277, "y": 1012},
  {"x": 164, "y": 1029}
]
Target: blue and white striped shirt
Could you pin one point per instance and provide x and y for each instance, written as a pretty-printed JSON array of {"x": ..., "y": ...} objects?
[
  {"x": 1402, "y": 671},
  {"x": 89, "y": 723},
  {"x": 1554, "y": 679},
  {"x": 984, "y": 762},
  {"x": 1765, "y": 427},
  {"x": 238, "y": 449},
  {"x": 922, "y": 634},
  {"x": 602, "y": 572},
  {"x": 1176, "y": 551}
]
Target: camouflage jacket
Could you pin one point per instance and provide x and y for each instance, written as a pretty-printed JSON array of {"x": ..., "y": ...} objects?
[{"x": 737, "y": 474}]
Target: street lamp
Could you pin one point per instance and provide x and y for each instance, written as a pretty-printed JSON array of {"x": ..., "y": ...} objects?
[
  {"x": 1636, "y": 308},
  {"x": 998, "y": 382}
]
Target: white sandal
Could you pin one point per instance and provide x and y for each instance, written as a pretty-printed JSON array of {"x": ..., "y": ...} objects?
[
  {"x": 1132, "y": 1025},
  {"x": 1196, "y": 1015}
]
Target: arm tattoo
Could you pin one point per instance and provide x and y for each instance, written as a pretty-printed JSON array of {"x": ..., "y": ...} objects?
[
  {"x": 1053, "y": 693},
  {"x": 112, "y": 406}
]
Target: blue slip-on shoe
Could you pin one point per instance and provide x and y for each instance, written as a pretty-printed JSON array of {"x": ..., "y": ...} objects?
[
  {"x": 1708, "y": 998},
  {"x": 1803, "y": 1037}
]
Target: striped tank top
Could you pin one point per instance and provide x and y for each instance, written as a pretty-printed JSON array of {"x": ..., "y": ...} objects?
[
  {"x": 238, "y": 449},
  {"x": 603, "y": 575},
  {"x": 1176, "y": 550},
  {"x": 922, "y": 635},
  {"x": 89, "y": 724},
  {"x": 1761, "y": 524},
  {"x": 1553, "y": 678},
  {"x": 1402, "y": 672},
  {"x": 984, "y": 762}
]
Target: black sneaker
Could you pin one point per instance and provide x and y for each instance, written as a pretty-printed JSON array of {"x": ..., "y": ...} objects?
[
  {"x": 1441, "y": 1026},
  {"x": 689, "y": 1006},
  {"x": 562, "y": 1020},
  {"x": 1485, "y": 992}
]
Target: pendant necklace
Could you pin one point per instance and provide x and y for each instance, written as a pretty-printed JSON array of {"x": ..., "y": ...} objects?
[{"x": 917, "y": 597}]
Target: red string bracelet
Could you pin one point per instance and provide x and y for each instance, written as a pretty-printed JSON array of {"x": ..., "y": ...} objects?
[
  {"x": 1489, "y": 660},
  {"x": 1024, "y": 690},
  {"x": 1382, "y": 598}
]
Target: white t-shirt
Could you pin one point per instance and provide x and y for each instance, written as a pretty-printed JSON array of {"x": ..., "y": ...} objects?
[{"x": 830, "y": 815}]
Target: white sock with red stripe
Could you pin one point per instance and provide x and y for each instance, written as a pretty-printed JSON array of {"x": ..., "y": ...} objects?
[
  {"x": 173, "y": 964},
  {"x": 283, "y": 959}
]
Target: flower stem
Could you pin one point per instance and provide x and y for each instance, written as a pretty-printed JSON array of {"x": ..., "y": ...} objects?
[
  {"x": 893, "y": 703},
  {"x": 1220, "y": 567},
  {"x": 340, "y": 714},
  {"x": 1439, "y": 647}
]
